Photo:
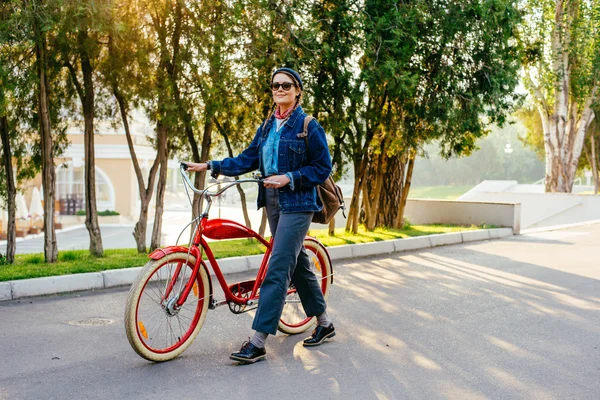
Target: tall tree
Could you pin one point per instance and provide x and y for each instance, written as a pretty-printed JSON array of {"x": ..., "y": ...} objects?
[
  {"x": 8, "y": 190},
  {"x": 562, "y": 59},
  {"x": 82, "y": 39},
  {"x": 28, "y": 28},
  {"x": 331, "y": 73},
  {"x": 465, "y": 64},
  {"x": 8, "y": 182},
  {"x": 127, "y": 71},
  {"x": 168, "y": 24},
  {"x": 48, "y": 168}
]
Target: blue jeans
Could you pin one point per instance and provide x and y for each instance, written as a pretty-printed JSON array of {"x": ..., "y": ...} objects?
[{"x": 289, "y": 262}]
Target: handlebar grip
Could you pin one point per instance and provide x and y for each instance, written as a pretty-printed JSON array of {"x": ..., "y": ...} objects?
[{"x": 183, "y": 166}]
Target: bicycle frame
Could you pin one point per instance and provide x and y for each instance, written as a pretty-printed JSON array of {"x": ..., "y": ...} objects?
[{"x": 214, "y": 229}]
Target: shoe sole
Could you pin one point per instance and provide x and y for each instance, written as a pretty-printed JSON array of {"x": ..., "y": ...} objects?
[
  {"x": 332, "y": 334},
  {"x": 248, "y": 360}
]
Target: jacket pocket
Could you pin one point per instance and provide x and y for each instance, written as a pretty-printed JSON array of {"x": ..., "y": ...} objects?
[{"x": 297, "y": 156}]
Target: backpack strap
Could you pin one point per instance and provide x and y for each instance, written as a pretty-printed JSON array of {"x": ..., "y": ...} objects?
[
  {"x": 307, "y": 120},
  {"x": 304, "y": 133}
]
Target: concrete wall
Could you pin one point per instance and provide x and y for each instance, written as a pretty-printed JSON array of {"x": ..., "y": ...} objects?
[
  {"x": 424, "y": 211},
  {"x": 549, "y": 209}
]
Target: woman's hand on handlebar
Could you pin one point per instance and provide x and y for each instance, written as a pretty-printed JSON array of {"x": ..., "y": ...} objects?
[
  {"x": 276, "y": 181},
  {"x": 196, "y": 167}
]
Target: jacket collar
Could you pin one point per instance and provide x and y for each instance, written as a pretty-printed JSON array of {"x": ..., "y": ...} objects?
[
  {"x": 291, "y": 121},
  {"x": 295, "y": 115}
]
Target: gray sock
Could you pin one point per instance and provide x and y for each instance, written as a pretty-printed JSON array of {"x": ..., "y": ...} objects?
[
  {"x": 323, "y": 319},
  {"x": 259, "y": 339}
]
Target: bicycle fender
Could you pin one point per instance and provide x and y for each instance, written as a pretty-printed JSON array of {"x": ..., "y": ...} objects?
[{"x": 160, "y": 253}]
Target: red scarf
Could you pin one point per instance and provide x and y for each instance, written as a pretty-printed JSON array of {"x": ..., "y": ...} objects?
[{"x": 286, "y": 114}]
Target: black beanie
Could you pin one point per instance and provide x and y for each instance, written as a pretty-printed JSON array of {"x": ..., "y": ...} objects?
[{"x": 290, "y": 72}]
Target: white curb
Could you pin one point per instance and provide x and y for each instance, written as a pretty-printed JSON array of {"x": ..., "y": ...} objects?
[
  {"x": 120, "y": 277},
  {"x": 57, "y": 284},
  {"x": 442, "y": 239},
  {"x": 371, "y": 249},
  {"x": 342, "y": 252},
  {"x": 413, "y": 243},
  {"x": 500, "y": 233},
  {"x": 14, "y": 290},
  {"x": 473, "y": 236},
  {"x": 5, "y": 291},
  {"x": 254, "y": 262},
  {"x": 232, "y": 265}
]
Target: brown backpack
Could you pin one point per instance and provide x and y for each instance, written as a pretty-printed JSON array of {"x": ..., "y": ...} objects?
[{"x": 330, "y": 194}]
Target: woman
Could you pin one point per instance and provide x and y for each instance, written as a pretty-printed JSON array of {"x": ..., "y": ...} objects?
[{"x": 291, "y": 172}]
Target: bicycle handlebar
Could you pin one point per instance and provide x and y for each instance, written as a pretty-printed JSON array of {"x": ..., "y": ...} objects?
[{"x": 206, "y": 193}]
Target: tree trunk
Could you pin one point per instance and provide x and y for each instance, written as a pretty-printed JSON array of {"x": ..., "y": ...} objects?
[
  {"x": 593, "y": 161},
  {"x": 263, "y": 223},
  {"x": 48, "y": 169},
  {"x": 163, "y": 154},
  {"x": 375, "y": 183},
  {"x": 399, "y": 223},
  {"x": 200, "y": 178},
  {"x": 139, "y": 231},
  {"x": 86, "y": 95},
  {"x": 11, "y": 244},
  {"x": 564, "y": 126},
  {"x": 223, "y": 132},
  {"x": 353, "y": 213},
  {"x": 392, "y": 196}
]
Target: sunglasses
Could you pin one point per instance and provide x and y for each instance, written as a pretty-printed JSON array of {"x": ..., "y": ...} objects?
[{"x": 285, "y": 85}]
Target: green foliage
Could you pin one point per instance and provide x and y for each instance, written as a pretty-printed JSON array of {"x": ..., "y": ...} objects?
[
  {"x": 383, "y": 77},
  {"x": 561, "y": 42},
  {"x": 105, "y": 213},
  {"x": 20, "y": 82}
]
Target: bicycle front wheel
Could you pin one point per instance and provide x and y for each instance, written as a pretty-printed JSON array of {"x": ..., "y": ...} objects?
[
  {"x": 293, "y": 318},
  {"x": 156, "y": 328}
]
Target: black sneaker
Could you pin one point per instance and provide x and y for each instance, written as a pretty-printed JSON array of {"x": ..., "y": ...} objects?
[
  {"x": 319, "y": 335},
  {"x": 249, "y": 354}
]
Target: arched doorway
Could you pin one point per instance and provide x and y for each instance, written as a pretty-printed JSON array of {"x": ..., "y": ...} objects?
[{"x": 70, "y": 189}]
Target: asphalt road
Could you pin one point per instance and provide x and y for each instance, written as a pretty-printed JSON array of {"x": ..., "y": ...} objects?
[{"x": 508, "y": 319}]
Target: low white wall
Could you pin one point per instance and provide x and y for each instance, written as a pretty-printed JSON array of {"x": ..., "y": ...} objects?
[
  {"x": 425, "y": 211},
  {"x": 549, "y": 209}
]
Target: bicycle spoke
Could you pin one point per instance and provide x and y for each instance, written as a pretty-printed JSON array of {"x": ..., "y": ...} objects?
[{"x": 151, "y": 298}]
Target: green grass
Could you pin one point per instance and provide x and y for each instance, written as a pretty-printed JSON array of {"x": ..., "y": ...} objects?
[
  {"x": 79, "y": 261},
  {"x": 438, "y": 192},
  {"x": 379, "y": 234}
]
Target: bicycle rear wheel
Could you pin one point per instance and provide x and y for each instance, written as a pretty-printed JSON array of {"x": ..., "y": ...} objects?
[
  {"x": 293, "y": 318},
  {"x": 156, "y": 329}
]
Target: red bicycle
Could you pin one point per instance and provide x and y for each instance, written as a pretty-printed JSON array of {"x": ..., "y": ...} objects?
[{"x": 171, "y": 296}]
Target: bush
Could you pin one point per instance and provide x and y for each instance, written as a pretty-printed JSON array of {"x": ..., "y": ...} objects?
[
  {"x": 105, "y": 213},
  {"x": 108, "y": 213}
]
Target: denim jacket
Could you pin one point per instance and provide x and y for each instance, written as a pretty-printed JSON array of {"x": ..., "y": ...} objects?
[{"x": 307, "y": 168}]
